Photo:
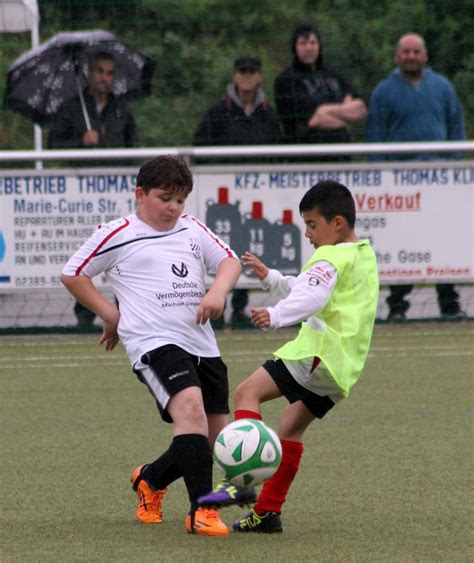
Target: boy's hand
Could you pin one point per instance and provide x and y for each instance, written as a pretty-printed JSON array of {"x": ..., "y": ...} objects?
[
  {"x": 110, "y": 336},
  {"x": 211, "y": 307},
  {"x": 260, "y": 317},
  {"x": 257, "y": 266}
]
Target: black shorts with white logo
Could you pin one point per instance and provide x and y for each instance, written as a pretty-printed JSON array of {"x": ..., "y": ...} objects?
[
  {"x": 293, "y": 391},
  {"x": 169, "y": 369}
]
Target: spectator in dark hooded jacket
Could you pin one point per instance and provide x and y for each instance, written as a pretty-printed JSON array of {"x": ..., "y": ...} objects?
[{"x": 314, "y": 104}]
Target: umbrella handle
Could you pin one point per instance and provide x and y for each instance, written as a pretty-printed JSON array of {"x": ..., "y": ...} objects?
[{"x": 83, "y": 104}]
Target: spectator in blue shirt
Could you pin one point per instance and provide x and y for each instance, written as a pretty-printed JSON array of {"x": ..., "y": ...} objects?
[{"x": 415, "y": 104}]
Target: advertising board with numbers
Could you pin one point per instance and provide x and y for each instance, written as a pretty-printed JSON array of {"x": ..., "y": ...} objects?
[{"x": 419, "y": 217}]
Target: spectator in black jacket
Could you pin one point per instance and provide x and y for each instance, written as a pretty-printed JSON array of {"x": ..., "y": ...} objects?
[
  {"x": 315, "y": 104},
  {"x": 111, "y": 125},
  {"x": 242, "y": 117}
]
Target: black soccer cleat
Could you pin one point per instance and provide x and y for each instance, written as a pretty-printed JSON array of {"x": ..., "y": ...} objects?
[{"x": 268, "y": 523}]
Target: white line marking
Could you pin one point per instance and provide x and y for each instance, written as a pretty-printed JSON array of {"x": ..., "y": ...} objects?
[
  {"x": 374, "y": 351},
  {"x": 125, "y": 364},
  {"x": 29, "y": 341}
]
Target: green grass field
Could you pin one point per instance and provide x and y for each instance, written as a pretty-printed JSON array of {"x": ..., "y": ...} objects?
[{"x": 387, "y": 476}]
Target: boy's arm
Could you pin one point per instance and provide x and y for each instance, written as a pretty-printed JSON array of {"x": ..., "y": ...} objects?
[
  {"x": 82, "y": 288},
  {"x": 212, "y": 305},
  {"x": 310, "y": 293},
  {"x": 278, "y": 284},
  {"x": 272, "y": 280}
]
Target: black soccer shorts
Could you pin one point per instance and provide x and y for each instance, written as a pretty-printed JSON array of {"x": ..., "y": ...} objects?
[
  {"x": 293, "y": 391},
  {"x": 170, "y": 369}
]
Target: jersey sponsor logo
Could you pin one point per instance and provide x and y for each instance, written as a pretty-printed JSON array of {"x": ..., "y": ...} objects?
[
  {"x": 180, "y": 271},
  {"x": 322, "y": 275},
  {"x": 195, "y": 247},
  {"x": 313, "y": 281}
]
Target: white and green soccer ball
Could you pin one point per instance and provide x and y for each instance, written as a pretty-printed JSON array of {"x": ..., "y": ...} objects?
[{"x": 248, "y": 452}]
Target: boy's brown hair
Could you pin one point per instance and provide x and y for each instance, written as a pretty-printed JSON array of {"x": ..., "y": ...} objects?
[{"x": 167, "y": 172}]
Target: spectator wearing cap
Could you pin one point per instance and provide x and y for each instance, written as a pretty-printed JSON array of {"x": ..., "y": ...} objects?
[
  {"x": 242, "y": 117},
  {"x": 315, "y": 104}
]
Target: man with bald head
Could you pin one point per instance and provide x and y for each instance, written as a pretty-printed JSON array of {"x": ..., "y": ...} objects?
[{"x": 415, "y": 104}]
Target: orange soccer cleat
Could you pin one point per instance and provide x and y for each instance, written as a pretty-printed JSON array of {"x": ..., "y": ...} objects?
[
  {"x": 206, "y": 522},
  {"x": 149, "y": 501}
]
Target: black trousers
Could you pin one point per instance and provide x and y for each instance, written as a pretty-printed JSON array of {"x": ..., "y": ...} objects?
[
  {"x": 83, "y": 314},
  {"x": 448, "y": 298},
  {"x": 239, "y": 300}
]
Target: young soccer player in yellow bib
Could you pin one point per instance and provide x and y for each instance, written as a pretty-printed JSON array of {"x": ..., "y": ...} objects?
[{"x": 335, "y": 298}]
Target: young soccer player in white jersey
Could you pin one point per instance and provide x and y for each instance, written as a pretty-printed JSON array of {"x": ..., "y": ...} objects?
[
  {"x": 335, "y": 297},
  {"x": 155, "y": 260}
]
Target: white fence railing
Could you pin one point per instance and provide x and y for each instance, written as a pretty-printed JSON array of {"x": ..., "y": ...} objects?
[
  {"x": 368, "y": 149},
  {"x": 405, "y": 208}
]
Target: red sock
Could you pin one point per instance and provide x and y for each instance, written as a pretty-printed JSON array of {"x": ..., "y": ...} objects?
[
  {"x": 274, "y": 491},
  {"x": 242, "y": 413}
]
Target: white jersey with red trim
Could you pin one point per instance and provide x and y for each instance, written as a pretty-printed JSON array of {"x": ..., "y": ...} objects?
[{"x": 158, "y": 279}]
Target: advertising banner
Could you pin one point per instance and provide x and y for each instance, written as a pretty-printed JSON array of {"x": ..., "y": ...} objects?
[{"x": 419, "y": 217}]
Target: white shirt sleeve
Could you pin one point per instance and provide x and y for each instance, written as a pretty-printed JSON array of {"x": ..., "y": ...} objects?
[
  {"x": 88, "y": 260},
  {"x": 214, "y": 249},
  {"x": 309, "y": 294},
  {"x": 278, "y": 284}
]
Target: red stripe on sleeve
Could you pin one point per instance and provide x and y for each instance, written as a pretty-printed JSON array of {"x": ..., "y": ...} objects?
[
  {"x": 107, "y": 238},
  {"x": 214, "y": 238}
]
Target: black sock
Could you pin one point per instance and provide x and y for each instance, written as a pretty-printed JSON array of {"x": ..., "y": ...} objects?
[
  {"x": 191, "y": 453},
  {"x": 162, "y": 472}
]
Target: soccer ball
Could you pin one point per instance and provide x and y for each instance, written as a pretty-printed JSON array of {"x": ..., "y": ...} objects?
[{"x": 248, "y": 451}]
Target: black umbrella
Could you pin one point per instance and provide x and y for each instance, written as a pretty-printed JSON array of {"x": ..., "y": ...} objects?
[{"x": 43, "y": 79}]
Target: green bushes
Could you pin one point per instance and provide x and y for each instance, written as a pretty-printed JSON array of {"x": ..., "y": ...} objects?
[{"x": 196, "y": 41}]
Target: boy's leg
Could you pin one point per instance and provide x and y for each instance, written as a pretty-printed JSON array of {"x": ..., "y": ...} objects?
[
  {"x": 304, "y": 407},
  {"x": 296, "y": 418},
  {"x": 215, "y": 394},
  {"x": 192, "y": 453},
  {"x": 216, "y": 422},
  {"x": 187, "y": 412},
  {"x": 265, "y": 516},
  {"x": 191, "y": 458},
  {"x": 257, "y": 388},
  {"x": 188, "y": 456},
  {"x": 170, "y": 375},
  {"x": 190, "y": 445}
]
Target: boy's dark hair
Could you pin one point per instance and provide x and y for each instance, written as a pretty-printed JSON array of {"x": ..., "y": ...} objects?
[
  {"x": 166, "y": 172},
  {"x": 331, "y": 199}
]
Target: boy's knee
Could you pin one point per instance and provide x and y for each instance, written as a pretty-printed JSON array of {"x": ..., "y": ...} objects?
[
  {"x": 187, "y": 407},
  {"x": 194, "y": 410},
  {"x": 242, "y": 391}
]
